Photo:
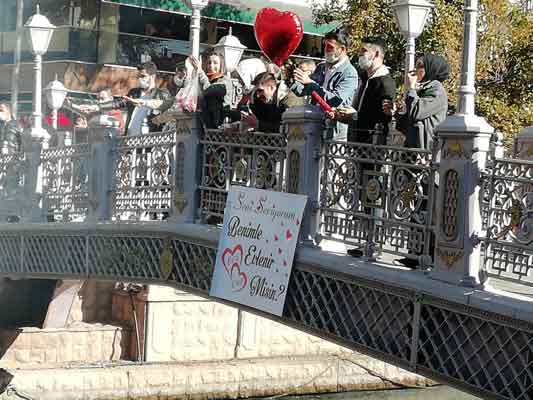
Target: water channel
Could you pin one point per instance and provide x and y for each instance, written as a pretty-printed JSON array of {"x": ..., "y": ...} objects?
[{"x": 434, "y": 393}]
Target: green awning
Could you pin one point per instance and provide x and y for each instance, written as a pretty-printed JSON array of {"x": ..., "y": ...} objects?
[{"x": 243, "y": 11}]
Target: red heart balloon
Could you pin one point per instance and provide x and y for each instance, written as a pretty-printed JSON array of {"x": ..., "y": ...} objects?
[{"x": 278, "y": 33}]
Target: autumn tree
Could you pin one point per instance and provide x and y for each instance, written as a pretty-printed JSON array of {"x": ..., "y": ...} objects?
[{"x": 504, "y": 74}]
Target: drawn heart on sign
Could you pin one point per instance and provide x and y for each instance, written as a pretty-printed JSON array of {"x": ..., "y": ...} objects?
[
  {"x": 238, "y": 279},
  {"x": 276, "y": 237},
  {"x": 232, "y": 257},
  {"x": 288, "y": 234},
  {"x": 278, "y": 33}
]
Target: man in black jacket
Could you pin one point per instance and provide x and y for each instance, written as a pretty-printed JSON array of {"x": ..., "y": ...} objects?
[
  {"x": 10, "y": 132},
  {"x": 142, "y": 103},
  {"x": 377, "y": 88},
  {"x": 267, "y": 103}
]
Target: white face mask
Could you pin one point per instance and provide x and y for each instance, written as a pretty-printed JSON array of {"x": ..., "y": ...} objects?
[
  {"x": 3, "y": 117},
  {"x": 178, "y": 81},
  {"x": 144, "y": 83},
  {"x": 365, "y": 62},
  {"x": 332, "y": 57}
]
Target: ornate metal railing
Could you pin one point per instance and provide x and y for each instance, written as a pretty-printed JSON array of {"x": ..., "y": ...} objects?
[
  {"x": 65, "y": 183},
  {"x": 144, "y": 170},
  {"x": 379, "y": 198},
  {"x": 12, "y": 179},
  {"x": 252, "y": 159},
  {"x": 509, "y": 223}
]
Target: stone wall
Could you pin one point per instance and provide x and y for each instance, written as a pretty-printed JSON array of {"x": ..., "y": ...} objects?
[
  {"x": 46, "y": 348},
  {"x": 183, "y": 327},
  {"x": 212, "y": 380}
]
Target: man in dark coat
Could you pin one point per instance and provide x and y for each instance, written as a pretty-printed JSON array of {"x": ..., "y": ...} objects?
[
  {"x": 142, "y": 103},
  {"x": 10, "y": 132},
  {"x": 377, "y": 89},
  {"x": 267, "y": 103}
]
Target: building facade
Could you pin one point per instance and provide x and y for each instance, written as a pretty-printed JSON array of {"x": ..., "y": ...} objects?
[{"x": 97, "y": 43}]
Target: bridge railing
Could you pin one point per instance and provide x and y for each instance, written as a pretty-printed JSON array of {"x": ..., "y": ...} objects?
[
  {"x": 252, "y": 159},
  {"x": 65, "y": 191},
  {"x": 508, "y": 206},
  {"x": 378, "y": 198},
  {"x": 12, "y": 186},
  {"x": 144, "y": 175}
]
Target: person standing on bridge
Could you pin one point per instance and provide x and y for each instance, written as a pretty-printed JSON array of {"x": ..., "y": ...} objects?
[{"x": 426, "y": 106}]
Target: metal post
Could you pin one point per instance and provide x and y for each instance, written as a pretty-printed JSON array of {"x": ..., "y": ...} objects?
[
  {"x": 54, "y": 119},
  {"x": 467, "y": 90},
  {"x": 37, "y": 96},
  {"x": 409, "y": 57},
  {"x": 16, "y": 62},
  {"x": 195, "y": 32}
]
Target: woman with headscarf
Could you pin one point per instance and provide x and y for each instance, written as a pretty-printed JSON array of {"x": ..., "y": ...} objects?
[
  {"x": 426, "y": 100},
  {"x": 426, "y": 103}
]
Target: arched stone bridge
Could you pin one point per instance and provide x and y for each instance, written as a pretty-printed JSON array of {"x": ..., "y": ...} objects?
[{"x": 475, "y": 340}]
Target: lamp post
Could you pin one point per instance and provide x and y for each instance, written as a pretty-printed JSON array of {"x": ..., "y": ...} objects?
[
  {"x": 232, "y": 49},
  {"x": 39, "y": 31},
  {"x": 55, "y": 94},
  {"x": 196, "y": 6},
  {"x": 411, "y": 16}
]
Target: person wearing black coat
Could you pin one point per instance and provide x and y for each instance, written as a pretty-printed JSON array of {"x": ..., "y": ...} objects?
[
  {"x": 142, "y": 103},
  {"x": 10, "y": 132},
  {"x": 377, "y": 87}
]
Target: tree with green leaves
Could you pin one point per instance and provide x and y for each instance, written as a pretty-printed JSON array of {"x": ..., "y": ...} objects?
[{"x": 504, "y": 74}]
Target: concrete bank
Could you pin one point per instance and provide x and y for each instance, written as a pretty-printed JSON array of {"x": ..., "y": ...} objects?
[{"x": 207, "y": 380}]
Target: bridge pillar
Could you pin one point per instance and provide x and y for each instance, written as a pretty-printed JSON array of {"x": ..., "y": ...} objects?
[
  {"x": 304, "y": 126},
  {"x": 187, "y": 164},
  {"x": 464, "y": 146},
  {"x": 101, "y": 139}
]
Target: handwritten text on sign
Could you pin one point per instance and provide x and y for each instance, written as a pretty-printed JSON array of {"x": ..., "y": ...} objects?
[{"x": 256, "y": 248}]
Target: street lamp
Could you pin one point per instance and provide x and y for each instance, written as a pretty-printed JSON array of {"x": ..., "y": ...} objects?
[
  {"x": 411, "y": 16},
  {"x": 196, "y": 6},
  {"x": 232, "y": 49},
  {"x": 55, "y": 94},
  {"x": 39, "y": 31}
]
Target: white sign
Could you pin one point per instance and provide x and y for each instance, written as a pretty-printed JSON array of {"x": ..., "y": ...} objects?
[{"x": 256, "y": 247}]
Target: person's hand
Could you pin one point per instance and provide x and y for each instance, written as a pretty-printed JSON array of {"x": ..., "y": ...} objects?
[
  {"x": 302, "y": 76},
  {"x": 194, "y": 62},
  {"x": 411, "y": 80},
  {"x": 249, "y": 119},
  {"x": 388, "y": 107},
  {"x": 345, "y": 112},
  {"x": 330, "y": 114},
  {"x": 135, "y": 102}
]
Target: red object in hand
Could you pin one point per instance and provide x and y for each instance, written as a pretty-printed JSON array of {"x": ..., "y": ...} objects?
[
  {"x": 321, "y": 102},
  {"x": 278, "y": 33}
]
